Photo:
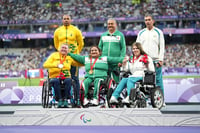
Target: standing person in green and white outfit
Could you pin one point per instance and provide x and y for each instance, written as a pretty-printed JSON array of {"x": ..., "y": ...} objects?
[
  {"x": 96, "y": 67},
  {"x": 153, "y": 42},
  {"x": 112, "y": 43}
]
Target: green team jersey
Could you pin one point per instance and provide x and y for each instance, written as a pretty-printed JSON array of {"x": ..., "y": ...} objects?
[
  {"x": 113, "y": 45},
  {"x": 100, "y": 68}
]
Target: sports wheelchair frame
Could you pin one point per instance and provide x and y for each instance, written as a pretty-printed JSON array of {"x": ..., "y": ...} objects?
[
  {"x": 145, "y": 89},
  {"x": 49, "y": 97},
  {"x": 105, "y": 92}
]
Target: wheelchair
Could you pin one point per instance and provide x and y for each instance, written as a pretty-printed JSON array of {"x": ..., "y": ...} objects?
[
  {"x": 146, "y": 89},
  {"x": 49, "y": 97},
  {"x": 105, "y": 92}
]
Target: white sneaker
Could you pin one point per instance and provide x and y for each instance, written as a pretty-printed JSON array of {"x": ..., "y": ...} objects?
[
  {"x": 148, "y": 104},
  {"x": 86, "y": 101},
  {"x": 94, "y": 102},
  {"x": 126, "y": 100},
  {"x": 113, "y": 100}
]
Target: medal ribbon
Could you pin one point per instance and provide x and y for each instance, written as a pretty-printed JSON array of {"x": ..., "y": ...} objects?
[
  {"x": 92, "y": 65},
  {"x": 62, "y": 60},
  {"x": 135, "y": 59}
]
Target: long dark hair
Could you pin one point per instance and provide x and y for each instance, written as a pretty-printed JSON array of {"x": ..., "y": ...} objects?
[{"x": 139, "y": 46}]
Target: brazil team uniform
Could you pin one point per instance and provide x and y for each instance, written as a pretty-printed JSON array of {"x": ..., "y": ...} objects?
[
  {"x": 73, "y": 37},
  {"x": 52, "y": 65}
]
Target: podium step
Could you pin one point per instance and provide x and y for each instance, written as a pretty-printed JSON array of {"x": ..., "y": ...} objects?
[{"x": 98, "y": 116}]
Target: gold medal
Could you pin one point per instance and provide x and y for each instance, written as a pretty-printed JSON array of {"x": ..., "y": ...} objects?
[{"x": 91, "y": 71}]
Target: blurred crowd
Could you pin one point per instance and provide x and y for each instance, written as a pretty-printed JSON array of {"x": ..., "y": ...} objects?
[
  {"x": 94, "y": 10},
  {"x": 21, "y": 11},
  {"x": 182, "y": 55},
  {"x": 20, "y": 59},
  {"x": 14, "y": 59}
]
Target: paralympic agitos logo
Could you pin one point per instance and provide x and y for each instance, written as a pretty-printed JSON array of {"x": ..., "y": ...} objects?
[{"x": 84, "y": 119}]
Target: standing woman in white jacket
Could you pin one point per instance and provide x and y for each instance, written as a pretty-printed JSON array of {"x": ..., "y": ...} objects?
[{"x": 136, "y": 64}]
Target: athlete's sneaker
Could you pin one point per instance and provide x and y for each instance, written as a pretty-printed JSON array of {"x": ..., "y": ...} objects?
[
  {"x": 126, "y": 100},
  {"x": 65, "y": 103},
  {"x": 113, "y": 100},
  {"x": 86, "y": 101},
  {"x": 95, "y": 102},
  {"x": 60, "y": 103}
]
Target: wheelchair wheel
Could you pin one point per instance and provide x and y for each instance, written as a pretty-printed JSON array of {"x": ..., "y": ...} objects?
[
  {"x": 109, "y": 94},
  {"x": 111, "y": 86},
  {"x": 157, "y": 98},
  {"x": 45, "y": 94},
  {"x": 82, "y": 96},
  {"x": 74, "y": 95}
]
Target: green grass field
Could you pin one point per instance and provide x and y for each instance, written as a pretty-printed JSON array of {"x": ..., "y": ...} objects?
[
  {"x": 24, "y": 82},
  {"x": 36, "y": 82}
]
